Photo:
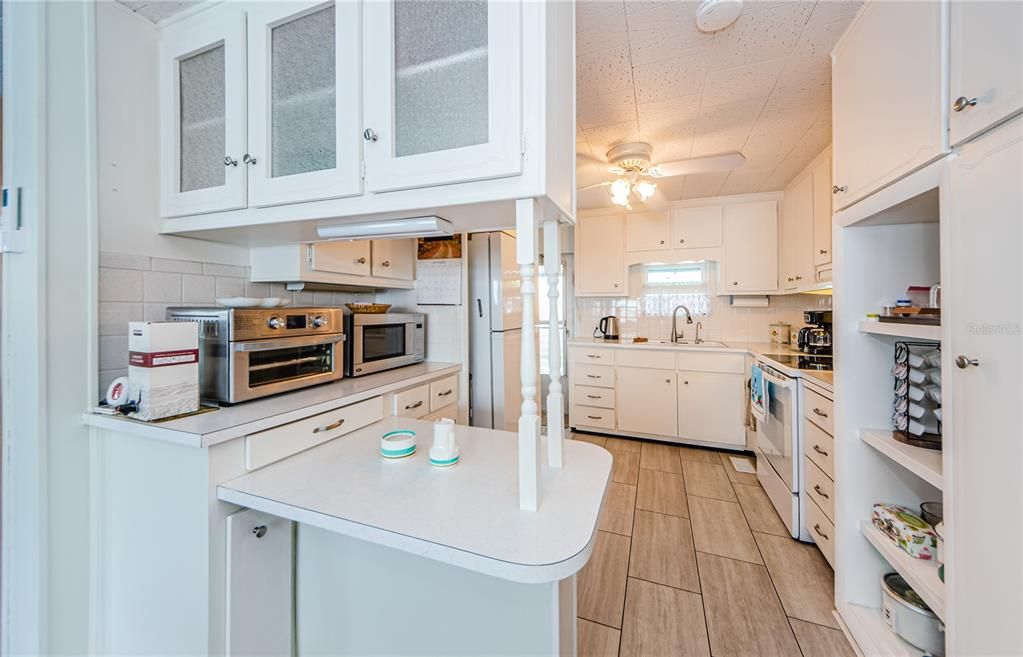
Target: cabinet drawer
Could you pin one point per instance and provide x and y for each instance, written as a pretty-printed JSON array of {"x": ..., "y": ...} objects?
[
  {"x": 820, "y": 488},
  {"x": 265, "y": 447},
  {"x": 443, "y": 392},
  {"x": 822, "y": 530},
  {"x": 601, "y": 376},
  {"x": 656, "y": 360},
  {"x": 819, "y": 447},
  {"x": 587, "y": 416},
  {"x": 414, "y": 402},
  {"x": 593, "y": 355},
  {"x": 725, "y": 363},
  {"x": 589, "y": 396},
  {"x": 819, "y": 410}
]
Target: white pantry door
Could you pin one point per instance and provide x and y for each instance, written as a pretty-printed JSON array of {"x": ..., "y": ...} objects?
[
  {"x": 304, "y": 101},
  {"x": 202, "y": 113},
  {"x": 443, "y": 85}
]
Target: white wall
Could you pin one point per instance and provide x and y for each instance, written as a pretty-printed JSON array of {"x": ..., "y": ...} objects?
[{"x": 127, "y": 61}]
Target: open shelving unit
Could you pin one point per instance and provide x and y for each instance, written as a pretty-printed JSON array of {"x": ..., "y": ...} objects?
[
  {"x": 866, "y": 626},
  {"x": 924, "y": 463},
  {"x": 920, "y": 574},
  {"x": 900, "y": 330}
]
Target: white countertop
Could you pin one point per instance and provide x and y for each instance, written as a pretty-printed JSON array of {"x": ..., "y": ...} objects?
[
  {"x": 230, "y": 422},
  {"x": 823, "y": 379},
  {"x": 467, "y": 515}
]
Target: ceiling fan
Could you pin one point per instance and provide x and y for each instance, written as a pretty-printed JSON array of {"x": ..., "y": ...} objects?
[{"x": 632, "y": 162}]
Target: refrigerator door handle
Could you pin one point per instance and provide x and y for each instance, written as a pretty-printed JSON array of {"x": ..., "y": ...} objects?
[{"x": 479, "y": 306}]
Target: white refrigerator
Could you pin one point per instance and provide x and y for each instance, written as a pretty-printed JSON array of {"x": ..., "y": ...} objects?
[{"x": 495, "y": 332}]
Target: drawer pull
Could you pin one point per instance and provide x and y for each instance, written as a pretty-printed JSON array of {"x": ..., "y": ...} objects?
[
  {"x": 817, "y": 488},
  {"x": 445, "y": 393},
  {"x": 594, "y": 396},
  {"x": 330, "y": 427},
  {"x": 595, "y": 417},
  {"x": 594, "y": 376},
  {"x": 817, "y": 528},
  {"x": 819, "y": 412},
  {"x": 817, "y": 448},
  {"x": 416, "y": 405},
  {"x": 592, "y": 356}
]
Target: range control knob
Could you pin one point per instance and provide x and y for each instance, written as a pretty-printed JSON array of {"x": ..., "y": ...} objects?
[
  {"x": 275, "y": 322},
  {"x": 318, "y": 321}
]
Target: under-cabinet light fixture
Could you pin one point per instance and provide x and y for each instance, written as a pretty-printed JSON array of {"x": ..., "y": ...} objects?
[{"x": 431, "y": 226}]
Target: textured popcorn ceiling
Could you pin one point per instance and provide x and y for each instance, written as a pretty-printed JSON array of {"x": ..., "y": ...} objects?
[
  {"x": 762, "y": 86},
  {"x": 158, "y": 10}
]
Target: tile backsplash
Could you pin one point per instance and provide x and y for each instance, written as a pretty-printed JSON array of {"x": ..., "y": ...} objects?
[{"x": 139, "y": 288}]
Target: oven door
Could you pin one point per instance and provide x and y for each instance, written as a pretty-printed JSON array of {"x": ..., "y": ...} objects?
[
  {"x": 382, "y": 345},
  {"x": 267, "y": 367},
  {"x": 776, "y": 433}
]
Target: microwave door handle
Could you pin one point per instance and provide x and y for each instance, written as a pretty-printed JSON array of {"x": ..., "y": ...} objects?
[
  {"x": 270, "y": 345},
  {"x": 410, "y": 339}
]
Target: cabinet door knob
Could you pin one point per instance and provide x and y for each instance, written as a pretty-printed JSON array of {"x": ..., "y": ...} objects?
[
  {"x": 369, "y": 135},
  {"x": 259, "y": 531},
  {"x": 735, "y": 282},
  {"x": 616, "y": 284},
  {"x": 667, "y": 380},
  {"x": 791, "y": 279},
  {"x": 681, "y": 241},
  {"x": 685, "y": 383},
  {"x": 836, "y": 189},
  {"x": 662, "y": 241},
  {"x": 386, "y": 263},
  {"x": 361, "y": 260},
  {"x": 823, "y": 251},
  {"x": 962, "y": 362},
  {"x": 799, "y": 278},
  {"x": 230, "y": 161},
  {"x": 962, "y": 103},
  {"x": 248, "y": 159}
]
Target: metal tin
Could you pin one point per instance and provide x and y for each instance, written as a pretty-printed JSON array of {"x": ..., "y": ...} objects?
[
  {"x": 781, "y": 333},
  {"x": 909, "y": 617}
]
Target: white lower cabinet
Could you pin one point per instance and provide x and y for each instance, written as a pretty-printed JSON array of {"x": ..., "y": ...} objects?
[
  {"x": 711, "y": 407},
  {"x": 646, "y": 401}
]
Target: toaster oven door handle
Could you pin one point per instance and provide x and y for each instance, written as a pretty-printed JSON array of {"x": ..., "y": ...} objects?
[{"x": 286, "y": 343}]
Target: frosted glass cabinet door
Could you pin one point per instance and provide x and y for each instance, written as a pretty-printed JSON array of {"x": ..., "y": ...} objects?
[
  {"x": 443, "y": 92},
  {"x": 202, "y": 114},
  {"x": 304, "y": 137}
]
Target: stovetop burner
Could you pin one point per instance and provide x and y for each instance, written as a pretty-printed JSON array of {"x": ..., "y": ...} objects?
[{"x": 801, "y": 362}]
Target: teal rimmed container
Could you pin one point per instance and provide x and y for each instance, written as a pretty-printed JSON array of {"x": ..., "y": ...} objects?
[{"x": 398, "y": 444}]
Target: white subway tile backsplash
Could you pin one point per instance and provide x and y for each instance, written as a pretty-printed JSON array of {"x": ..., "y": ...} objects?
[
  {"x": 230, "y": 287},
  {"x": 198, "y": 289},
  {"x": 177, "y": 266},
  {"x": 115, "y": 315},
  {"x": 113, "y": 352},
  {"x": 232, "y": 271},
  {"x": 120, "y": 285},
  {"x": 155, "y": 312},
  {"x": 123, "y": 261},
  {"x": 304, "y": 298},
  {"x": 161, "y": 286},
  {"x": 260, "y": 290}
]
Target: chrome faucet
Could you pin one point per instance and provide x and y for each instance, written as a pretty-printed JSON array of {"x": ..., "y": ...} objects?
[
  {"x": 676, "y": 335},
  {"x": 699, "y": 325}
]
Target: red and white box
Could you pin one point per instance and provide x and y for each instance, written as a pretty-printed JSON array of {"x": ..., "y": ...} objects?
[{"x": 163, "y": 368}]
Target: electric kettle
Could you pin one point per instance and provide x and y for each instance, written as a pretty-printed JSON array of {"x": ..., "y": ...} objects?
[{"x": 607, "y": 328}]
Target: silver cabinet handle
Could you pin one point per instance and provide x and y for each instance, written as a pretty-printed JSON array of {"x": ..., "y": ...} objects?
[
  {"x": 230, "y": 161},
  {"x": 962, "y": 103},
  {"x": 259, "y": 531},
  {"x": 819, "y": 412},
  {"x": 592, "y": 356},
  {"x": 248, "y": 159},
  {"x": 594, "y": 376},
  {"x": 817, "y": 528},
  {"x": 593, "y": 396},
  {"x": 962, "y": 362},
  {"x": 836, "y": 189},
  {"x": 595, "y": 417},
  {"x": 817, "y": 448},
  {"x": 361, "y": 260},
  {"x": 369, "y": 135},
  {"x": 817, "y": 488},
  {"x": 409, "y": 407},
  {"x": 330, "y": 427},
  {"x": 445, "y": 393}
]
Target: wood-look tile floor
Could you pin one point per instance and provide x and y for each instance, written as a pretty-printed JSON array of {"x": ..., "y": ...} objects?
[{"x": 692, "y": 559}]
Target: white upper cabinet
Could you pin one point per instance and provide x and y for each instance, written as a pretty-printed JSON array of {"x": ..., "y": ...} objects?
[
  {"x": 797, "y": 236},
  {"x": 751, "y": 248},
  {"x": 822, "y": 197},
  {"x": 986, "y": 65},
  {"x": 696, "y": 228},
  {"x": 888, "y": 100},
  {"x": 600, "y": 257},
  {"x": 394, "y": 259},
  {"x": 442, "y": 92},
  {"x": 646, "y": 231},
  {"x": 202, "y": 114},
  {"x": 304, "y": 67},
  {"x": 340, "y": 257}
]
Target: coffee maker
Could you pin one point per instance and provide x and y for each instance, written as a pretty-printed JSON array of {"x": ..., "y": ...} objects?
[{"x": 815, "y": 339}]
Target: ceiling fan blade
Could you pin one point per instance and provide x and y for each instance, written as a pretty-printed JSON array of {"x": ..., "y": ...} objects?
[
  {"x": 708, "y": 164},
  {"x": 593, "y": 186}
]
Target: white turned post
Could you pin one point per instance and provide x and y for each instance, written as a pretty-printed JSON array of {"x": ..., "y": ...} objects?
[
  {"x": 526, "y": 229},
  {"x": 555, "y": 399}
]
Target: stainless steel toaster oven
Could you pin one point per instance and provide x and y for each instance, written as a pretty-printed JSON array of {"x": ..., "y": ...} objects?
[{"x": 246, "y": 353}]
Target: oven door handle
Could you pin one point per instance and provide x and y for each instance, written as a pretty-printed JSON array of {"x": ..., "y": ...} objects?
[
  {"x": 778, "y": 382},
  {"x": 301, "y": 341}
]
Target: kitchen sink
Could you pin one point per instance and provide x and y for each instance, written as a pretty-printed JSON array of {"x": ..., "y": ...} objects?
[{"x": 686, "y": 343}]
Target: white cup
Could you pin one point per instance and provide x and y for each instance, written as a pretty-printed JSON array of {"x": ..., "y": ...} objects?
[{"x": 444, "y": 447}]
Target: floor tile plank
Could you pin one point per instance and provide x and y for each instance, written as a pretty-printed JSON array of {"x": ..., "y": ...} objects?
[
  {"x": 619, "y": 507},
  {"x": 760, "y": 513},
  {"x": 744, "y": 616},
  {"x": 589, "y": 438},
  {"x": 817, "y": 641},
  {"x": 805, "y": 582},
  {"x": 625, "y": 468},
  {"x": 624, "y": 444},
  {"x": 663, "y": 551},
  {"x": 660, "y": 620},
  {"x": 595, "y": 640},
  {"x": 662, "y": 492},
  {"x": 734, "y": 475},
  {"x": 720, "y": 528},
  {"x": 698, "y": 454},
  {"x": 601, "y": 582},
  {"x": 656, "y": 456},
  {"x": 708, "y": 480}
]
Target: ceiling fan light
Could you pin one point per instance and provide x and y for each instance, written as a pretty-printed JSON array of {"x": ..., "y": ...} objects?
[
  {"x": 645, "y": 189},
  {"x": 620, "y": 187}
]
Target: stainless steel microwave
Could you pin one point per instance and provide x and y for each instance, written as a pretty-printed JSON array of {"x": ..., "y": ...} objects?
[{"x": 378, "y": 342}]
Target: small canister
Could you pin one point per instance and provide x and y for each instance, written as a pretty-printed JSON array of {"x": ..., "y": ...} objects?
[{"x": 781, "y": 333}]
